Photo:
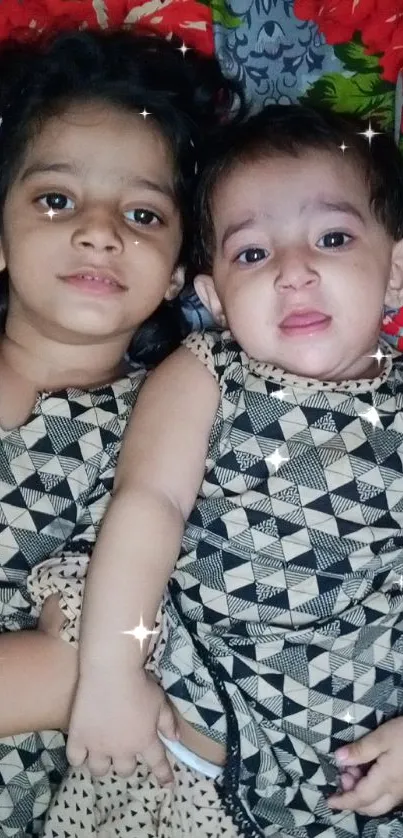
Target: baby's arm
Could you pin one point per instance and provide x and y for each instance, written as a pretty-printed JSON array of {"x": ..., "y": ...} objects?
[{"x": 118, "y": 709}]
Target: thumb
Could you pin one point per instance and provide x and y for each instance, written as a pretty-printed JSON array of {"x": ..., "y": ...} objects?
[
  {"x": 167, "y": 722},
  {"x": 366, "y": 750}
]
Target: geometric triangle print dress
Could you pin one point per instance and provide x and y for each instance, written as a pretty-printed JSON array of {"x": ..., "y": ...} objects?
[
  {"x": 56, "y": 476},
  {"x": 283, "y": 623}
]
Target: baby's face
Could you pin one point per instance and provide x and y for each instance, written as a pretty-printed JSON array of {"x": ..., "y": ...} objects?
[{"x": 301, "y": 265}]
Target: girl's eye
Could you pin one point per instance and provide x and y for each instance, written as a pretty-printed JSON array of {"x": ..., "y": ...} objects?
[
  {"x": 252, "y": 255},
  {"x": 334, "y": 240},
  {"x": 143, "y": 216},
  {"x": 56, "y": 201}
]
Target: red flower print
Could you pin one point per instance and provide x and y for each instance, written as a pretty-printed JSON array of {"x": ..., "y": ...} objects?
[
  {"x": 379, "y": 22},
  {"x": 188, "y": 19}
]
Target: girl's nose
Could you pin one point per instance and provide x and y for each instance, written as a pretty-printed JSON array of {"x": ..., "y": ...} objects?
[{"x": 98, "y": 232}]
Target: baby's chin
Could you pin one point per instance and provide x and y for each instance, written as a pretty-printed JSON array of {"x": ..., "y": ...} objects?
[{"x": 318, "y": 368}]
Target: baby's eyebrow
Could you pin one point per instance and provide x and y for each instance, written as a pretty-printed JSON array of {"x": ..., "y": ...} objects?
[{"x": 324, "y": 205}]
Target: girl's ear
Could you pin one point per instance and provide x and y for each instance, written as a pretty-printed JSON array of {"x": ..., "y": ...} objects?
[
  {"x": 394, "y": 290},
  {"x": 176, "y": 284},
  {"x": 2, "y": 259},
  {"x": 205, "y": 290}
]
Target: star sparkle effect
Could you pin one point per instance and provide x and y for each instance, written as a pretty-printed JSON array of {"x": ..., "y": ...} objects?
[
  {"x": 343, "y": 147},
  {"x": 379, "y": 355},
  {"x": 348, "y": 718},
  {"x": 276, "y": 459},
  {"x": 183, "y": 49},
  {"x": 372, "y": 416},
  {"x": 280, "y": 394},
  {"x": 145, "y": 113},
  {"x": 51, "y": 213},
  {"x": 141, "y": 632},
  {"x": 369, "y": 134}
]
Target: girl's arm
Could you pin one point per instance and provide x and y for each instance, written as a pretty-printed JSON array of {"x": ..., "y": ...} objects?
[
  {"x": 160, "y": 470},
  {"x": 38, "y": 673}
]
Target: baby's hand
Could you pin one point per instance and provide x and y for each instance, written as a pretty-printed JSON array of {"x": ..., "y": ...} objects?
[
  {"x": 115, "y": 716},
  {"x": 380, "y": 787}
]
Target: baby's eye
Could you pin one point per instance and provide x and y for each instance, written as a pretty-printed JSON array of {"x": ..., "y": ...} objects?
[
  {"x": 143, "y": 216},
  {"x": 56, "y": 201},
  {"x": 334, "y": 239},
  {"x": 252, "y": 255}
]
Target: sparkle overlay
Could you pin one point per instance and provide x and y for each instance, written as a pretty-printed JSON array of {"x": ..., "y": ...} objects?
[
  {"x": 183, "y": 49},
  {"x": 378, "y": 355},
  {"x": 141, "y": 632},
  {"x": 372, "y": 416},
  {"x": 276, "y": 459},
  {"x": 144, "y": 113},
  {"x": 343, "y": 147},
  {"x": 348, "y": 718},
  {"x": 279, "y": 394},
  {"x": 51, "y": 213},
  {"x": 369, "y": 134}
]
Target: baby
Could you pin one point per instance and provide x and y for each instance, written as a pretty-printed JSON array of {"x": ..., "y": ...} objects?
[{"x": 268, "y": 457}]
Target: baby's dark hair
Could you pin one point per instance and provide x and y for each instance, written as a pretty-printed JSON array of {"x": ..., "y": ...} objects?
[
  {"x": 293, "y": 130},
  {"x": 185, "y": 97}
]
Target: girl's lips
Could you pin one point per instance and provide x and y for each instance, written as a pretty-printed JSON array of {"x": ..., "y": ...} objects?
[
  {"x": 305, "y": 321},
  {"x": 95, "y": 283}
]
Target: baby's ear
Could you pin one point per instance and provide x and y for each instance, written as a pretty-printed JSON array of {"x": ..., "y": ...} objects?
[
  {"x": 394, "y": 291},
  {"x": 205, "y": 290}
]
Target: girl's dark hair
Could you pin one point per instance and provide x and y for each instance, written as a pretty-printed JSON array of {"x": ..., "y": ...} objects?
[
  {"x": 293, "y": 130},
  {"x": 185, "y": 96}
]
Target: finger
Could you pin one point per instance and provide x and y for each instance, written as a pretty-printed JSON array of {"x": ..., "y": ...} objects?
[
  {"x": 124, "y": 766},
  {"x": 385, "y": 803},
  {"x": 167, "y": 722},
  {"x": 349, "y": 777},
  {"x": 156, "y": 759},
  {"x": 362, "y": 752},
  {"x": 98, "y": 764},
  {"x": 76, "y": 754},
  {"x": 347, "y": 782},
  {"x": 368, "y": 789}
]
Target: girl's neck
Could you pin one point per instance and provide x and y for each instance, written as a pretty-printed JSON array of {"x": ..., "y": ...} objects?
[{"x": 46, "y": 364}]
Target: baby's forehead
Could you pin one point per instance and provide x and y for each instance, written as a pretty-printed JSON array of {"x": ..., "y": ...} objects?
[{"x": 273, "y": 179}]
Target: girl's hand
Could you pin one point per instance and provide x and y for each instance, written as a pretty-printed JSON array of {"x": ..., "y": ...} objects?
[
  {"x": 116, "y": 716},
  {"x": 379, "y": 788}
]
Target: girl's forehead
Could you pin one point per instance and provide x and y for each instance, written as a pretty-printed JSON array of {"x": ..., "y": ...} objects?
[{"x": 99, "y": 138}]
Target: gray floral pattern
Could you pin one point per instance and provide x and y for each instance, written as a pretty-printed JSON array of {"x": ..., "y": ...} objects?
[{"x": 273, "y": 54}]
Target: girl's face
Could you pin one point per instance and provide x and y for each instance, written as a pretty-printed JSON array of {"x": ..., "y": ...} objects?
[{"x": 91, "y": 226}]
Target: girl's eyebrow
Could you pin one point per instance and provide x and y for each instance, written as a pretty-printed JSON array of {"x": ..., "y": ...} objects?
[{"x": 164, "y": 189}]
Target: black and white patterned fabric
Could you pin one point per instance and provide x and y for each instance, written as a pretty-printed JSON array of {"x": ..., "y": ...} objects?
[
  {"x": 56, "y": 475},
  {"x": 284, "y": 625}
]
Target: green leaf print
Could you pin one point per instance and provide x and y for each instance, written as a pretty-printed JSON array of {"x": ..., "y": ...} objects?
[
  {"x": 221, "y": 13},
  {"x": 354, "y": 57},
  {"x": 363, "y": 94}
]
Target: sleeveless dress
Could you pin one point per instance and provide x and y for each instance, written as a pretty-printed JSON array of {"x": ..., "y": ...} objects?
[
  {"x": 56, "y": 476},
  {"x": 283, "y": 623}
]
